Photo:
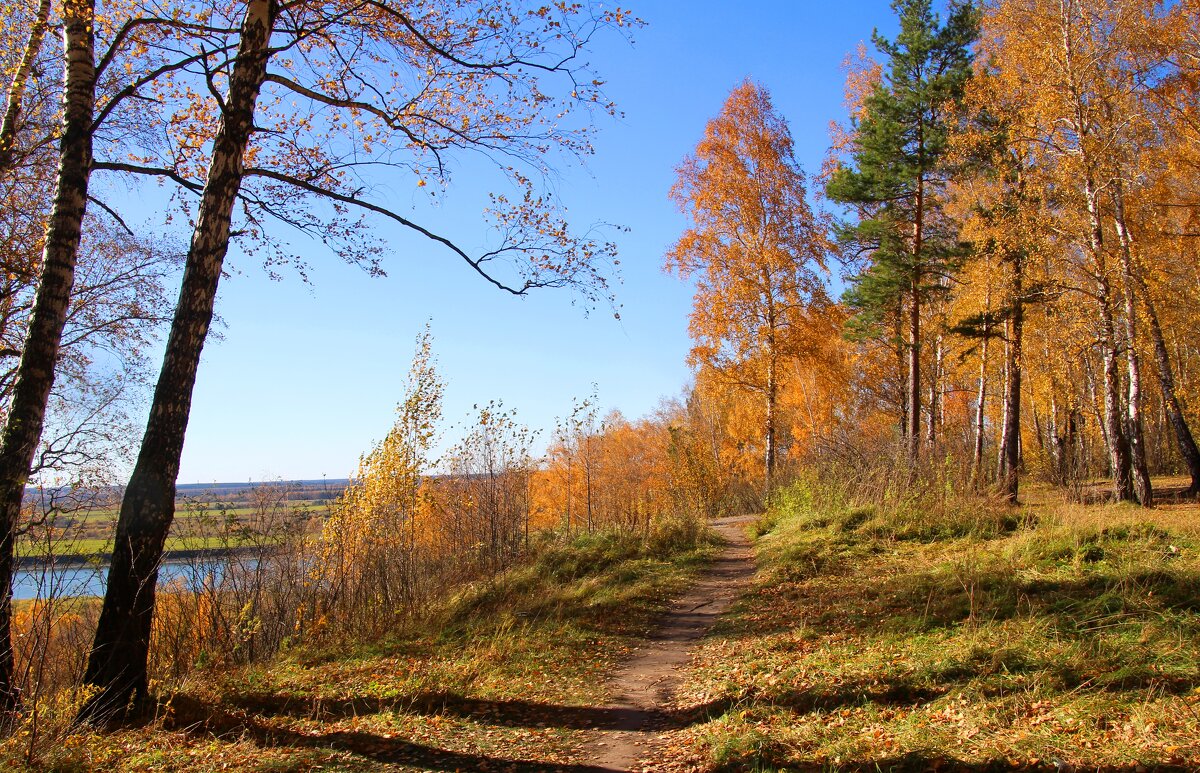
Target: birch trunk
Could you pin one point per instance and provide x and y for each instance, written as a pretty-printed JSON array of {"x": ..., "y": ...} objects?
[
  {"x": 117, "y": 662},
  {"x": 935, "y": 393},
  {"x": 1133, "y": 407},
  {"x": 981, "y": 401},
  {"x": 35, "y": 373},
  {"x": 1114, "y": 428},
  {"x": 1010, "y": 451},
  {"x": 16, "y": 89},
  {"x": 1120, "y": 462},
  {"x": 1166, "y": 382}
]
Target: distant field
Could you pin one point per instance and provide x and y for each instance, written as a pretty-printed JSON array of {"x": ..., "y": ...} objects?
[
  {"x": 199, "y": 523},
  {"x": 95, "y": 546},
  {"x": 211, "y": 509}
]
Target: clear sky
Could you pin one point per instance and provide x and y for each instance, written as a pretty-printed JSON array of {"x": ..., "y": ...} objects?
[{"x": 306, "y": 377}]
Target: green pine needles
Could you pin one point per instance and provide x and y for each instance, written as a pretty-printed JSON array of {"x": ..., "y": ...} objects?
[{"x": 899, "y": 242}]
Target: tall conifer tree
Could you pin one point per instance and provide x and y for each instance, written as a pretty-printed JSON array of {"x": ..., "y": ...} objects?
[{"x": 894, "y": 178}]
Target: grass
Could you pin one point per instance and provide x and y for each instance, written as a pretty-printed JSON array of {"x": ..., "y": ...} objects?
[
  {"x": 98, "y": 546},
  {"x": 506, "y": 670},
  {"x": 1048, "y": 637},
  {"x": 183, "y": 508},
  {"x": 90, "y": 531}
]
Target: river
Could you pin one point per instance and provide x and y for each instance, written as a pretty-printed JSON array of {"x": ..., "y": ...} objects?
[{"x": 76, "y": 579}]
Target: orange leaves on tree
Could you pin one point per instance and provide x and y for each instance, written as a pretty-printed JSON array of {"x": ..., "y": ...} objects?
[{"x": 755, "y": 251}]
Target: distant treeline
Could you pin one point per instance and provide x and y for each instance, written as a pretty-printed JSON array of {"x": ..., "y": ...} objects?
[
  {"x": 240, "y": 492},
  {"x": 227, "y": 493}
]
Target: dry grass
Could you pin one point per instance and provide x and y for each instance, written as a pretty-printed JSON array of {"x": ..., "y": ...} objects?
[
  {"x": 1053, "y": 636},
  {"x": 504, "y": 671}
]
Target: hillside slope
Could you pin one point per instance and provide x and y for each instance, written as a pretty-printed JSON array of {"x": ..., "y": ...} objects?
[
  {"x": 1057, "y": 637},
  {"x": 509, "y": 670}
]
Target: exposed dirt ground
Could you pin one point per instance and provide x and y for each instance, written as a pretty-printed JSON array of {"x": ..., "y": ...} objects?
[{"x": 641, "y": 690}]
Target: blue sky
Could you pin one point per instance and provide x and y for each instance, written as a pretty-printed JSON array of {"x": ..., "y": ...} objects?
[{"x": 306, "y": 377}]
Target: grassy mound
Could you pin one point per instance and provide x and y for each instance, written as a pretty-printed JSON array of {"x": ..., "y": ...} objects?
[
  {"x": 504, "y": 671},
  {"x": 1051, "y": 637}
]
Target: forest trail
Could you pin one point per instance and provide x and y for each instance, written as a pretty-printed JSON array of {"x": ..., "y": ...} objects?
[{"x": 641, "y": 689}]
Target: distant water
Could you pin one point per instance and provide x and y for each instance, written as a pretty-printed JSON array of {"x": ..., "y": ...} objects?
[{"x": 75, "y": 580}]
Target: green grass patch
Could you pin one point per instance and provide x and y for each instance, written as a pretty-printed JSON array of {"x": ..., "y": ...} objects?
[
  {"x": 92, "y": 547},
  {"x": 878, "y": 639},
  {"x": 505, "y": 670}
]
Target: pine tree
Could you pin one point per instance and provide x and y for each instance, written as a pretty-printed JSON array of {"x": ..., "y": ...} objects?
[{"x": 894, "y": 179}]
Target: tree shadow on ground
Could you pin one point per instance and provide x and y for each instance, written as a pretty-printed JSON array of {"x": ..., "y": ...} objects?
[
  {"x": 199, "y": 718},
  {"x": 935, "y": 598},
  {"x": 888, "y": 693},
  {"x": 917, "y": 762},
  {"x": 498, "y": 713},
  {"x": 880, "y": 692},
  {"x": 1101, "y": 616}
]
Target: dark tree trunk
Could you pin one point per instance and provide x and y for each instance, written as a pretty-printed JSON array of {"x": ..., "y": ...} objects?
[
  {"x": 914, "y": 319},
  {"x": 35, "y": 374},
  {"x": 772, "y": 397},
  {"x": 117, "y": 662},
  {"x": 772, "y": 386},
  {"x": 1000, "y": 445},
  {"x": 1064, "y": 441},
  {"x": 1166, "y": 381},
  {"x": 914, "y": 369},
  {"x": 901, "y": 366}
]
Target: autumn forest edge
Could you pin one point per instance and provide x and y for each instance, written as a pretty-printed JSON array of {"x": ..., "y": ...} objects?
[{"x": 990, "y": 284}]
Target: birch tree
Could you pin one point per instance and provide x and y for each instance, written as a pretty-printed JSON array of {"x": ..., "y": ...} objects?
[
  {"x": 1079, "y": 75},
  {"x": 35, "y": 375},
  {"x": 101, "y": 97},
  {"x": 756, "y": 251},
  {"x": 346, "y": 87}
]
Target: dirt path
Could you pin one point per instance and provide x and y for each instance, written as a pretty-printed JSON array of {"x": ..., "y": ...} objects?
[{"x": 641, "y": 689}]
